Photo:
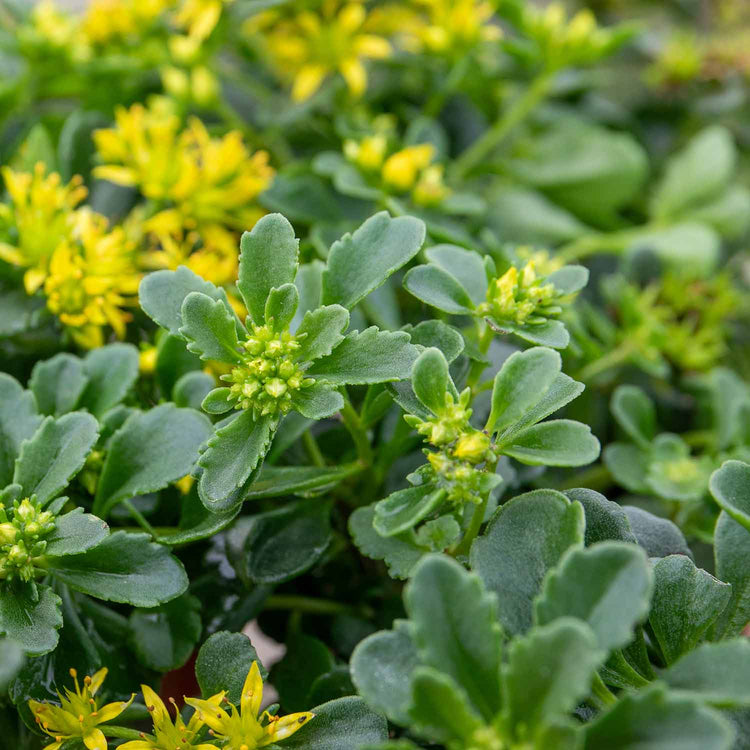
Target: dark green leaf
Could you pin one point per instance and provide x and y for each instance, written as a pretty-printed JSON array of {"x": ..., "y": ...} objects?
[
  {"x": 275, "y": 481},
  {"x": 192, "y": 388},
  {"x": 75, "y": 532},
  {"x": 437, "y": 288},
  {"x": 306, "y": 659},
  {"x": 208, "y": 326},
  {"x": 604, "y": 519},
  {"x": 57, "y": 384},
  {"x": 559, "y": 442},
  {"x": 111, "y": 370},
  {"x": 731, "y": 550},
  {"x": 18, "y": 422},
  {"x": 223, "y": 664},
  {"x": 323, "y": 329},
  {"x": 318, "y": 401},
  {"x": 403, "y": 509},
  {"x": 730, "y": 487},
  {"x": 658, "y": 536},
  {"x": 32, "y": 623}
]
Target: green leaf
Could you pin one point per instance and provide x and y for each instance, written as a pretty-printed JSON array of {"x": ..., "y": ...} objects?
[
  {"x": 275, "y": 481},
  {"x": 607, "y": 586},
  {"x": 455, "y": 629},
  {"x": 520, "y": 384},
  {"x": 440, "y": 710},
  {"x": 716, "y": 673},
  {"x": 173, "y": 360},
  {"x": 306, "y": 659},
  {"x": 57, "y": 384},
  {"x": 281, "y": 306},
  {"x": 32, "y": 622},
  {"x": 55, "y": 454},
  {"x": 360, "y": 262},
  {"x": 197, "y": 522},
  {"x": 658, "y": 536},
  {"x": 400, "y": 553},
  {"x": 605, "y": 519},
  {"x": 284, "y": 543},
  {"x": 525, "y": 539},
  {"x": 730, "y": 487},
  {"x": 551, "y": 333},
  {"x": 549, "y": 671},
  {"x": 318, "y": 401},
  {"x": 371, "y": 356},
  {"x": 728, "y": 213},
  {"x": 341, "y": 724},
  {"x": 164, "y": 638},
  {"x": 382, "y": 666},
  {"x": 125, "y": 568},
  {"x": 18, "y": 422},
  {"x": 162, "y": 293},
  {"x": 208, "y": 326},
  {"x": 11, "y": 661},
  {"x": 309, "y": 283},
  {"x": 75, "y": 532},
  {"x": 654, "y": 720},
  {"x": 223, "y": 664},
  {"x": 403, "y": 509},
  {"x": 687, "y": 600},
  {"x": 437, "y": 288},
  {"x": 430, "y": 379},
  {"x": 628, "y": 464},
  {"x": 111, "y": 370},
  {"x": 435, "y": 333},
  {"x": 697, "y": 173},
  {"x": 233, "y": 453},
  {"x": 569, "y": 279},
  {"x": 466, "y": 266},
  {"x": 560, "y": 442},
  {"x": 323, "y": 329},
  {"x": 151, "y": 450},
  {"x": 731, "y": 550},
  {"x": 191, "y": 390},
  {"x": 268, "y": 259},
  {"x": 635, "y": 413},
  {"x": 438, "y": 534}
]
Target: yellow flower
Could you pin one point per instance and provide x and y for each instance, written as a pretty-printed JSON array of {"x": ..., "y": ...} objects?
[
  {"x": 244, "y": 728},
  {"x": 41, "y": 214},
  {"x": 78, "y": 714},
  {"x": 55, "y": 27},
  {"x": 453, "y": 25},
  {"x": 170, "y": 735},
  {"x": 199, "y": 17},
  {"x": 106, "y": 20},
  {"x": 402, "y": 168},
  {"x": 91, "y": 278},
  {"x": 308, "y": 47}
]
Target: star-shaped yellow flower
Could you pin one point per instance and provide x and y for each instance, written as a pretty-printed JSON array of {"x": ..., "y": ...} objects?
[
  {"x": 244, "y": 728},
  {"x": 78, "y": 714}
]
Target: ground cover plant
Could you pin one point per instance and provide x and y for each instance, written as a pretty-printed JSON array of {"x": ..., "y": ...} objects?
[{"x": 374, "y": 375}]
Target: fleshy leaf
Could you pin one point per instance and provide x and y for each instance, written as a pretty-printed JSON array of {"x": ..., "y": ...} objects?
[
  {"x": 209, "y": 328},
  {"x": 437, "y": 288},
  {"x": 324, "y": 329}
]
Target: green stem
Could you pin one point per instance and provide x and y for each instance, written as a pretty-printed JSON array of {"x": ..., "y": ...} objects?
[
  {"x": 353, "y": 424},
  {"x": 491, "y": 139},
  {"x": 477, "y": 367},
  {"x": 309, "y": 605},
  {"x": 463, "y": 547},
  {"x": 124, "y": 733},
  {"x": 312, "y": 448},
  {"x": 140, "y": 519},
  {"x": 601, "y": 696}
]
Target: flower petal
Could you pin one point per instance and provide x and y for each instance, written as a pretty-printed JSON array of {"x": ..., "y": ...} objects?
[
  {"x": 94, "y": 739},
  {"x": 155, "y": 705},
  {"x": 286, "y": 726},
  {"x": 307, "y": 81},
  {"x": 112, "y": 710},
  {"x": 96, "y": 680},
  {"x": 211, "y": 714},
  {"x": 252, "y": 692},
  {"x": 354, "y": 74}
]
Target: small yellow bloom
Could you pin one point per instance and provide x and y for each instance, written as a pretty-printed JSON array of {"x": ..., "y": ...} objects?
[
  {"x": 40, "y": 215},
  {"x": 78, "y": 714},
  {"x": 309, "y": 46},
  {"x": 244, "y": 728},
  {"x": 402, "y": 168},
  {"x": 472, "y": 447},
  {"x": 367, "y": 153},
  {"x": 199, "y": 17},
  {"x": 108, "y": 20},
  {"x": 55, "y": 27}
]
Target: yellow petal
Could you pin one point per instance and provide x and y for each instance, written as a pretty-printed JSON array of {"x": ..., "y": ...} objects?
[
  {"x": 112, "y": 710},
  {"x": 355, "y": 75},
  {"x": 33, "y": 279},
  {"x": 351, "y": 17},
  {"x": 155, "y": 705},
  {"x": 307, "y": 81},
  {"x": 210, "y": 714},
  {"x": 285, "y": 727},
  {"x": 252, "y": 692},
  {"x": 11, "y": 254},
  {"x": 140, "y": 745},
  {"x": 118, "y": 175},
  {"x": 94, "y": 739},
  {"x": 97, "y": 680},
  {"x": 369, "y": 45},
  {"x": 54, "y": 745}
]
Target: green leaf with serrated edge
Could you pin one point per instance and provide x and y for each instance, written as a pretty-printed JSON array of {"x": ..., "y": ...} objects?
[
  {"x": 403, "y": 509},
  {"x": 223, "y": 664},
  {"x": 520, "y": 384},
  {"x": 429, "y": 379},
  {"x": 57, "y": 384},
  {"x": 151, "y": 450},
  {"x": 317, "y": 401},
  {"x": 654, "y": 719},
  {"x": 323, "y": 329},
  {"x": 524, "y": 540},
  {"x": 281, "y": 306},
  {"x": 232, "y": 455},
  {"x": 605, "y": 519},
  {"x": 309, "y": 283},
  {"x": 435, "y": 333},
  {"x": 716, "y": 673},
  {"x": 731, "y": 553},
  {"x": 192, "y": 388},
  {"x": 687, "y": 600},
  {"x": 55, "y": 454},
  {"x": 400, "y": 553},
  {"x": 466, "y": 266},
  {"x": 209, "y": 329},
  {"x": 607, "y": 586},
  {"x": 440, "y": 710},
  {"x": 268, "y": 259},
  {"x": 437, "y": 288},
  {"x": 438, "y": 534},
  {"x": 196, "y": 521},
  {"x": 341, "y": 724},
  {"x": 658, "y": 536},
  {"x": 275, "y": 481},
  {"x": 560, "y": 442},
  {"x": 218, "y": 401},
  {"x": 125, "y": 568},
  {"x": 11, "y": 661},
  {"x": 112, "y": 371},
  {"x": 382, "y": 666},
  {"x": 548, "y": 672},
  {"x": 371, "y": 356},
  {"x": 32, "y": 623},
  {"x": 455, "y": 629},
  {"x": 635, "y": 413},
  {"x": 730, "y": 487},
  {"x": 18, "y": 422},
  {"x": 285, "y": 542},
  {"x": 360, "y": 262},
  {"x": 75, "y": 532},
  {"x": 162, "y": 293},
  {"x": 569, "y": 279},
  {"x": 164, "y": 638}
]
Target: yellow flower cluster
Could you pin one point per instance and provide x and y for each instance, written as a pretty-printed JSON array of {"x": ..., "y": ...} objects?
[
  {"x": 22, "y": 535},
  {"x": 308, "y": 46},
  {"x": 105, "y": 20}
]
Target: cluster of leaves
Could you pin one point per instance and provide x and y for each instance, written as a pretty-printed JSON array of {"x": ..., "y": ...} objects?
[{"x": 404, "y": 342}]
